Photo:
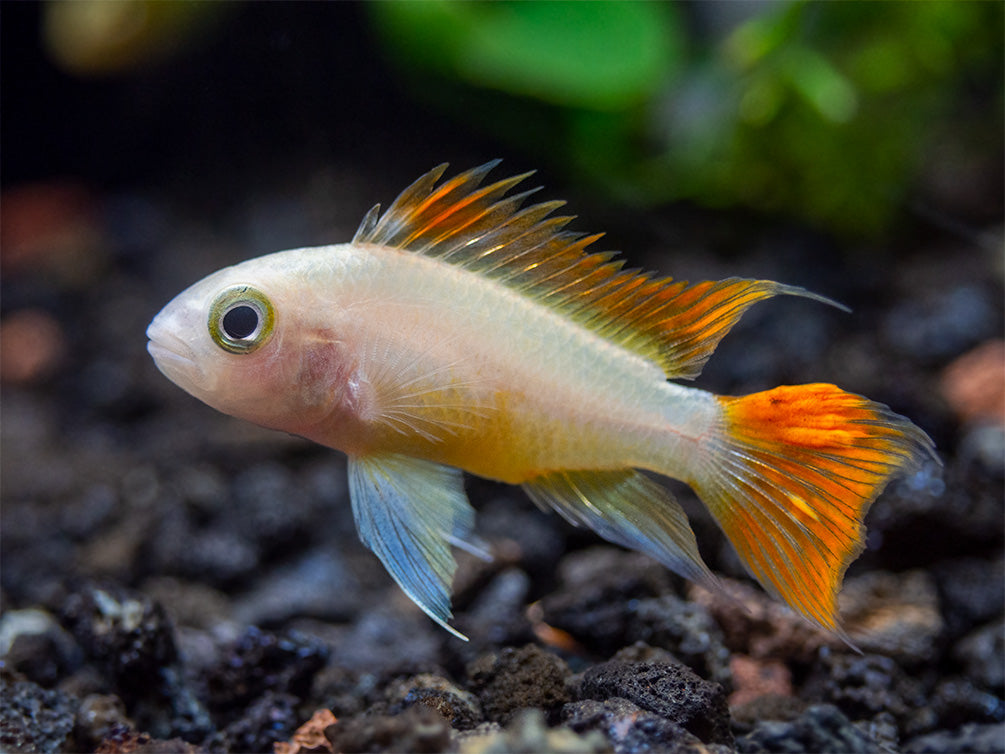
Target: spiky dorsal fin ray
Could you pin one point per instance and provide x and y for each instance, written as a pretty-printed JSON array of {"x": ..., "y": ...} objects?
[{"x": 478, "y": 228}]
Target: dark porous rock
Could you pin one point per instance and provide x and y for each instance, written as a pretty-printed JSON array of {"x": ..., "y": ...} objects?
[
  {"x": 417, "y": 729},
  {"x": 391, "y": 636},
  {"x": 497, "y": 615},
  {"x": 630, "y": 728},
  {"x": 754, "y": 678},
  {"x": 319, "y": 583},
  {"x": 258, "y": 662},
  {"x": 34, "y": 719},
  {"x": 956, "y": 701},
  {"x": 529, "y": 732},
  {"x": 927, "y": 517},
  {"x": 671, "y": 691},
  {"x": 757, "y": 625},
  {"x": 274, "y": 508},
  {"x": 527, "y": 536},
  {"x": 205, "y": 553},
  {"x": 597, "y": 591},
  {"x": 982, "y": 653},
  {"x": 969, "y": 739},
  {"x": 272, "y": 717},
  {"x": 894, "y": 614},
  {"x": 130, "y": 639},
  {"x": 344, "y": 691},
  {"x": 882, "y": 729},
  {"x": 766, "y": 707},
  {"x": 863, "y": 686},
  {"x": 821, "y": 728},
  {"x": 686, "y": 629},
  {"x": 189, "y": 604},
  {"x": 35, "y": 645},
  {"x": 127, "y": 635},
  {"x": 642, "y": 652},
  {"x": 970, "y": 592},
  {"x": 128, "y": 741},
  {"x": 517, "y": 678},
  {"x": 458, "y": 707},
  {"x": 99, "y": 715}
]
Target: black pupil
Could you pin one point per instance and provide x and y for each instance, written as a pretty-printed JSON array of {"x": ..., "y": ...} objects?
[{"x": 240, "y": 322}]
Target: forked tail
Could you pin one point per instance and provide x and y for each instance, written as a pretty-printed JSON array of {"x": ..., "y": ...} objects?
[{"x": 789, "y": 478}]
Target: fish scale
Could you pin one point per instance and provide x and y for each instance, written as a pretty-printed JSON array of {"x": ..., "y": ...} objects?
[{"x": 462, "y": 331}]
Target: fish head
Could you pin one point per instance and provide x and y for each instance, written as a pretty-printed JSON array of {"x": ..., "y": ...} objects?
[{"x": 246, "y": 340}]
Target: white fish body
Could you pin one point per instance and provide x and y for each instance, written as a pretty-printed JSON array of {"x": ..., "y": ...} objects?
[{"x": 459, "y": 332}]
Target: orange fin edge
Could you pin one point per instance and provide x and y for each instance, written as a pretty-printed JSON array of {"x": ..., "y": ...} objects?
[
  {"x": 675, "y": 324},
  {"x": 790, "y": 478}
]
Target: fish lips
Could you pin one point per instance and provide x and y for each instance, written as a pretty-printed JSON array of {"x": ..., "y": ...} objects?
[{"x": 174, "y": 357}]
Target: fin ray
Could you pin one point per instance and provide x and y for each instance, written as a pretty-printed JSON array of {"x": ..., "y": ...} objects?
[
  {"x": 674, "y": 324},
  {"x": 790, "y": 477},
  {"x": 626, "y": 508},
  {"x": 408, "y": 512},
  {"x": 419, "y": 391}
]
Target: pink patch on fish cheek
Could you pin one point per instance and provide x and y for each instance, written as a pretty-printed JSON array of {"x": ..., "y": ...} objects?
[{"x": 323, "y": 377}]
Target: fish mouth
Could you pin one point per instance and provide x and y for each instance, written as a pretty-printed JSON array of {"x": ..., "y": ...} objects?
[{"x": 172, "y": 355}]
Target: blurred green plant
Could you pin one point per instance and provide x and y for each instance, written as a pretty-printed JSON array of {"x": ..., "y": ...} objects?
[{"x": 822, "y": 110}]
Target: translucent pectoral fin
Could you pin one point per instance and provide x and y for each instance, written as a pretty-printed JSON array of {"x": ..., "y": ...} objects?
[
  {"x": 409, "y": 512},
  {"x": 628, "y": 509}
]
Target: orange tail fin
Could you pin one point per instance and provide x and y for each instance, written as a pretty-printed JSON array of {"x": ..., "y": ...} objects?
[{"x": 790, "y": 478}]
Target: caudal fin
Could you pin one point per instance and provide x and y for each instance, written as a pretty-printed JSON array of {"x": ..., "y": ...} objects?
[{"x": 790, "y": 477}]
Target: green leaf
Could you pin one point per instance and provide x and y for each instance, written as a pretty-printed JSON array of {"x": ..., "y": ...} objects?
[{"x": 591, "y": 55}]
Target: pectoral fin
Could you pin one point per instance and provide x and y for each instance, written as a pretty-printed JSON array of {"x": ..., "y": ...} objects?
[
  {"x": 409, "y": 512},
  {"x": 628, "y": 509}
]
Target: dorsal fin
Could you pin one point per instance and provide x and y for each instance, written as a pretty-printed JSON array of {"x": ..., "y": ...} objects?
[{"x": 478, "y": 228}]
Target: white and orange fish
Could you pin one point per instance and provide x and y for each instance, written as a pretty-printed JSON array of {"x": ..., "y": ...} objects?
[{"x": 460, "y": 331}]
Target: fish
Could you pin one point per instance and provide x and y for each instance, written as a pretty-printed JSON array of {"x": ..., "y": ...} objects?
[{"x": 465, "y": 329}]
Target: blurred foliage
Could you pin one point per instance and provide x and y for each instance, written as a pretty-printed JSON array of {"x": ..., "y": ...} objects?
[{"x": 823, "y": 110}]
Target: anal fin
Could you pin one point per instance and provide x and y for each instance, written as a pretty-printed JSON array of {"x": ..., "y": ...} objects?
[
  {"x": 626, "y": 508},
  {"x": 409, "y": 512}
]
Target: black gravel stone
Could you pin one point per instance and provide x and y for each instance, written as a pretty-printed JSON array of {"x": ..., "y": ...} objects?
[
  {"x": 969, "y": 739},
  {"x": 39, "y": 649},
  {"x": 628, "y": 727},
  {"x": 260, "y": 662},
  {"x": 517, "y": 678},
  {"x": 598, "y": 592},
  {"x": 671, "y": 691},
  {"x": 822, "y": 728},
  {"x": 685, "y": 629},
  {"x": 127, "y": 635},
  {"x": 458, "y": 707},
  {"x": 270, "y": 718},
  {"x": 863, "y": 686},
  {"x": 34, "y": 720},
  {"x": 418, "y": 729},
  {"x": 983, "y": 655},
  {"x": 970, "y": 592}
]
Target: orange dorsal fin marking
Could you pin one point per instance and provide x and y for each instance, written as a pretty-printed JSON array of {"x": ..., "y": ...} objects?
[
  {"x": 791, "y": 478},
  {"x": 478, "y": 228}
]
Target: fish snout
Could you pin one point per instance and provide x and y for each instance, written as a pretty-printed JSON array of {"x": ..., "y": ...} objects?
[{"x": 173, "y": 355}]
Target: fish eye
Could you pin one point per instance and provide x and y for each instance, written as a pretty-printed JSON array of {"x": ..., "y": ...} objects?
[{"x": 241, "y": 319}]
